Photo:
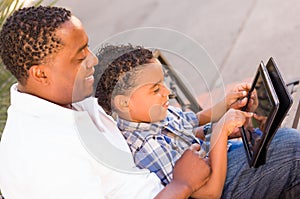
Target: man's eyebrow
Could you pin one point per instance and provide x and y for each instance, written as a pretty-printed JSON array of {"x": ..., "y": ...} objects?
[{"x": 81, "y": 48}]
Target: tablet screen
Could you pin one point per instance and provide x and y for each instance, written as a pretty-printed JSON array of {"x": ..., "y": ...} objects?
[{"x": 265, "y": 106}]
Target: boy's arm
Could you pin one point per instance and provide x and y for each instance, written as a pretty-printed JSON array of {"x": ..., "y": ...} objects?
[
  {"x": 202, "y": 131},
  {"x": 235, "y": 98},
  {"x": 218, "y": 154}
]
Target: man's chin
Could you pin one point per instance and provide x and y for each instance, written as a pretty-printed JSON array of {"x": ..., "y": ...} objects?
[{"x": 81, "y": 97}]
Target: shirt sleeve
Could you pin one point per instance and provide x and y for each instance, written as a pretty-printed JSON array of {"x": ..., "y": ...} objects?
[{"x": 157, "y": 156}]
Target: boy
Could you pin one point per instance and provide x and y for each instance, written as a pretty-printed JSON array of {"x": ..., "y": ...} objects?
[{"x": 132, "y": 85}]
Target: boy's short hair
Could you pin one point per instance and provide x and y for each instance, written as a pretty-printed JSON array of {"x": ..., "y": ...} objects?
[
  {"x": 28, "y": 37},
  {"x": 115, "y": 70}
]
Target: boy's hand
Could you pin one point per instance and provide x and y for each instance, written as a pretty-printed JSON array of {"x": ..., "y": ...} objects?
[
  {"x": 233, "y": 119},
  {"x": 237, "y": 96},
  {"x": 191, "y": 170},
  {"x": 253, "y": 103}
]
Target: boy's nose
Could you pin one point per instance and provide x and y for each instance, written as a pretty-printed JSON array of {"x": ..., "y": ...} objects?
[{"x": 166, "y": 91}]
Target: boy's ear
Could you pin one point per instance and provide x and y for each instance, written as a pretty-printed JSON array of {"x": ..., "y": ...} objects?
[
  {"x": 38, "y": 73},
  {"x": 121, "y": 102}
]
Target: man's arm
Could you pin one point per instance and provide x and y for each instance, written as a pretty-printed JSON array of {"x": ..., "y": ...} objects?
[
  {"x": 189, "y": 174},
  {"x": 175, "y": 190}
]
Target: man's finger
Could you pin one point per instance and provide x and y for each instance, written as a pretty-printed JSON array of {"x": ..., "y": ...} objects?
[
  {"x": 195, "y": 147},
  {"x": 248, "y": 114}
]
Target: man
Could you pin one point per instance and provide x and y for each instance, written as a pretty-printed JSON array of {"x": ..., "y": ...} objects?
[{"x": 43, "y": 150}]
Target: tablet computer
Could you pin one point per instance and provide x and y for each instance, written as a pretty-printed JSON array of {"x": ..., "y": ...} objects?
[
  {"x": 256, "y": 135},
  {"x": 285, "y": 103}
]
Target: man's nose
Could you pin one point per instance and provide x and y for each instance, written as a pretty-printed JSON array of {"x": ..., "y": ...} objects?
[{"x": 91, "y": 60}]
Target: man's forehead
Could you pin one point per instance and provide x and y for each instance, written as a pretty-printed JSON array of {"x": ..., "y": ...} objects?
[
  {"x": 76, "y": 22},
  {"x": 72, "y": 34}
]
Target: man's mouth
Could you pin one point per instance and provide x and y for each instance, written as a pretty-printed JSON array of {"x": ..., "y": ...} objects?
[{"x": 90, "y": 78}]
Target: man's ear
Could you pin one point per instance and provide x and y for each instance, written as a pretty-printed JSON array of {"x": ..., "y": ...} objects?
[
  {"x": 38, "y": 73},
  {"x": 121, "y": 103}
]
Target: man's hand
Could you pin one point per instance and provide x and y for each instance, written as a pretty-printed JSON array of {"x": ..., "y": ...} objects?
[{"x": 191, "y": 170}]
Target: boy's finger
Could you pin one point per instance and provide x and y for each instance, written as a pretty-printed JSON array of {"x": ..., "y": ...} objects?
[
  {"x": 241, "y": 94},
  {"x": 243, "y": 102},
  {"x": 239, "y": 103},
  {"x": 237, "y": 95},
  {"x": 244, "y": 86}
]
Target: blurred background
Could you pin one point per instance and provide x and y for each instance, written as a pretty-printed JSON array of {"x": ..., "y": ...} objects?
[{"x": 235, "y": 34}]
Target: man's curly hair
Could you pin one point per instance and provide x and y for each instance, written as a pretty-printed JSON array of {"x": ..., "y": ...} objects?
[
  {"x": 116, "y": 69},
  {"x": 28, "y": 37}
]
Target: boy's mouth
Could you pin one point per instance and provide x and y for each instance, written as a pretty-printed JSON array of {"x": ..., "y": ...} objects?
[{"x": 166, "y": 104}]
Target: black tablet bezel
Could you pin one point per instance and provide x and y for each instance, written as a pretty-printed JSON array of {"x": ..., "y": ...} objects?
[
  {"x": 283, "y": 94},
  {"x": 256, "y": 157}
]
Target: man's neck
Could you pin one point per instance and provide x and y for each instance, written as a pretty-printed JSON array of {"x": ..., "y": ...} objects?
[
  {"x": 23, "y": 89},
  {"x": 69, "y": 106}
]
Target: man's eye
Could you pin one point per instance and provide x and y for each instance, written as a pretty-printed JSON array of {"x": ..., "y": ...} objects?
[
  {"x": 81, "y": 60},
  {"x": 156, "y": 90}
]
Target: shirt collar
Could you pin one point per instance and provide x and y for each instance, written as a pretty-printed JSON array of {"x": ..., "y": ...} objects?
[
  {"x": 125, "y": 125},
  {"x": 39, "y": 107}
]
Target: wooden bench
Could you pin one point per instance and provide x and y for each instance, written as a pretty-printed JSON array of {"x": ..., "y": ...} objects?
[{"x": 293, "y": 116}]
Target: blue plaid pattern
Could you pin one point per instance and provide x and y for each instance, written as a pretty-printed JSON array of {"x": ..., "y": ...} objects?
[{"x": 157, "y": 146}]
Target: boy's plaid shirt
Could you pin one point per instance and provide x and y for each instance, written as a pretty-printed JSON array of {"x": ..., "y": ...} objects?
[{"x": 157, "y": 146}]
